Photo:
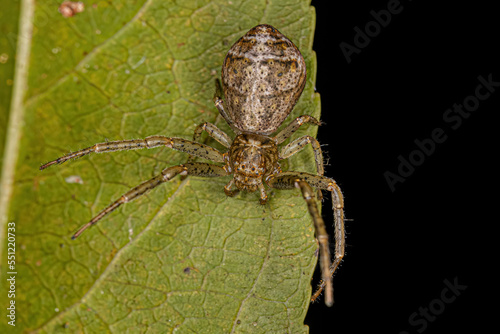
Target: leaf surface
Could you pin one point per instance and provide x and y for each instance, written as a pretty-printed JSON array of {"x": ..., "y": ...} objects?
[
  {"x": 9, "y": 17},
  {"x": 184, "y": 258}
]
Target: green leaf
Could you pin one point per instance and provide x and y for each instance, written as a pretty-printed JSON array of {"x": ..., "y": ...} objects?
[
  {"x": 9, "y": 19},
  {"x": 185, "y": 257}
]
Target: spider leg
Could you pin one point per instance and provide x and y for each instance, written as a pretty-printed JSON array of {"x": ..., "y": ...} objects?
[
  {"x": 196, "y": 169},
  {"x": 213, "y": 132},
  {"x": 219, "y": 104},
  {"x": 179, "y": 144},
  {"x": 304, "y": 181},
  {"x": 293, "y": 126},
  {"x": 297, "y": 146}
]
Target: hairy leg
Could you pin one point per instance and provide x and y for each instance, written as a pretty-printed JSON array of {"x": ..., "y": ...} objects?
[
  {"x": 179, "y": 144},
  {"x": 293, "y": 126},
  {"x": 196, "y": 169},
  {"x": 213, "y": 132},
  {"x": 297, "y": 146},
  {"x": 219, "y": 104},
  {"x": 304, "y": 181}
]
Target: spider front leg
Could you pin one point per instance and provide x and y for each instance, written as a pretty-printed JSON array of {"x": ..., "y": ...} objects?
[
  {"x": 213, "y": 132},
  {"x": 196, "y": 169},
  {"x": 178, "y": 144},
  {"x": 304, "y": 181}
]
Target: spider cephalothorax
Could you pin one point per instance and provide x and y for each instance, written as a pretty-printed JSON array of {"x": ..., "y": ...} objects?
[
  {"x": 262, "y": 78},
  {"x": 252, "y": 157}
]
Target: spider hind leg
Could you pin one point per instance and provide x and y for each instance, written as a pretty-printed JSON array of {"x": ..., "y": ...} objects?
[{"x": 305, "y": 182}]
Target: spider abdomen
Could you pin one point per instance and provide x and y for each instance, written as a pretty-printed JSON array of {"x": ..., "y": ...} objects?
[{"x": 263, "y": 76}]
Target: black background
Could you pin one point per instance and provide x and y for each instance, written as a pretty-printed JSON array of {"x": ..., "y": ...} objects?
[{"x": 439, "y": 224}]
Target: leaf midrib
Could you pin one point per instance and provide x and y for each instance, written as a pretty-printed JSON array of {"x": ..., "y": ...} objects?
[{"x": 16, "y": 112}]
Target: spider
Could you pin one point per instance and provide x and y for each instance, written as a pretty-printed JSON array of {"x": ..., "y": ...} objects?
[{"x": 263, "y": 76}]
